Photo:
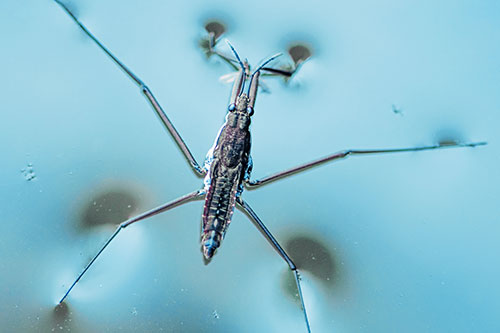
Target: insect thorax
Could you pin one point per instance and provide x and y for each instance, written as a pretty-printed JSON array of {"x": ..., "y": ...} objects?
[{"x": 242, "y": 102}]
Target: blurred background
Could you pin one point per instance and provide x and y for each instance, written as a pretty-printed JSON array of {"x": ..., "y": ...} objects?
[{"x": 389, "y": 243}]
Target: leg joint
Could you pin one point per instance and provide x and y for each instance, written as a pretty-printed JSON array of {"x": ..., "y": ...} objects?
[{"x": 290, "y": 263}]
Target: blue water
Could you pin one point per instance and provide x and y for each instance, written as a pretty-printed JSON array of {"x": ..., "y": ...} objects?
[{"x": 401, "y": 243}]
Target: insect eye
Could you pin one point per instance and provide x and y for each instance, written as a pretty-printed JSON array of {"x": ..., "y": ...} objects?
[
  {"x": 250, "y": 111},
  {"x": 231, "y": 107}
]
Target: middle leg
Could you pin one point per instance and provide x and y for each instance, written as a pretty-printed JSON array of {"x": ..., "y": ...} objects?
[{"x": 346, "y": 153}]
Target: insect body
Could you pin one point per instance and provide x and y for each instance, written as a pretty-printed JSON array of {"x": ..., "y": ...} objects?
[
  {"x": 228, "y": 164},
  {"x": 228, "y": 167}
]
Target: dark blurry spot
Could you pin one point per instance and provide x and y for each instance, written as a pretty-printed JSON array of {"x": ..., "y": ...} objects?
[
  {"x": 397, "y": 110},
  {"x": 55, "y": 319},
  {"x": 448, "y": 137},
  {"x": 61, "y": 311},
  {"x": 310, "y": 255},
  {"x": 61, "y": 318},
  {"x": 299, "y": 53},
  {"x": 110, "y": 207},
  {"x": 216, "y": 28},
  {"x": 447, "y": 142}
]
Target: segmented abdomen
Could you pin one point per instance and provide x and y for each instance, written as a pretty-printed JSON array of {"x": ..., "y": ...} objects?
[{"x": 217, "y": 213}]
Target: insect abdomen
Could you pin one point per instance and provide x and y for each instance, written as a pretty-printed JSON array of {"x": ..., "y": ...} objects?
[{"x": 217, "y": 213}]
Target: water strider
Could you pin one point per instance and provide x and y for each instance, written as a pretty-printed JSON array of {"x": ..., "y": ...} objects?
[{"x": 228, "y": 164}]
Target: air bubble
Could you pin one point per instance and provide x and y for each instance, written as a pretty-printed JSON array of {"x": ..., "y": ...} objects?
[
  {"x": 28, "y": 172},
  {"x": 215, "y": 314}
]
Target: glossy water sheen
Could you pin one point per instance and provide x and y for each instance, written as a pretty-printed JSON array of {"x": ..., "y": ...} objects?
[{"x": 401, "y": 243}]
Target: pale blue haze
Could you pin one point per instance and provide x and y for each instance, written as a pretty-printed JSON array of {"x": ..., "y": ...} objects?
[{"x": 414, "y": 237}]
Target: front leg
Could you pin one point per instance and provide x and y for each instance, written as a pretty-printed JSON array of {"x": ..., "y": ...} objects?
[{"x": 209, "y": 42}]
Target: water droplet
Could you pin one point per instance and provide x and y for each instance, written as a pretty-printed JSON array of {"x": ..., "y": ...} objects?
[
  {"x": 397, "y": 110},
  {"x": 28, "y": 172},
  {"x": 215, "y": 314}
]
